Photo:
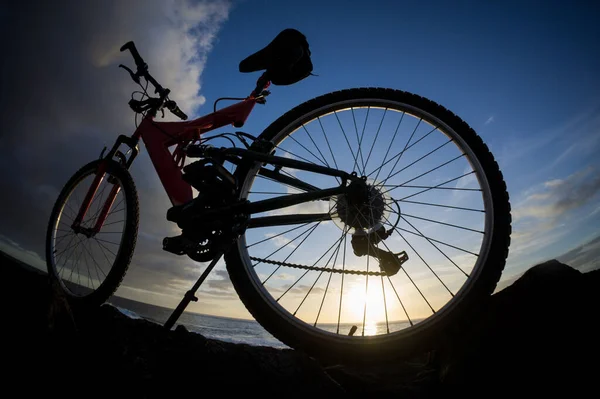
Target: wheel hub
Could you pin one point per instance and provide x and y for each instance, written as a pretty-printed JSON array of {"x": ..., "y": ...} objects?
[{"x": 364, "y": 208}]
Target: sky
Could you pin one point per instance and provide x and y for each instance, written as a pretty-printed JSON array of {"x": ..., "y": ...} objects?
[{"x": 523, "y": 74}]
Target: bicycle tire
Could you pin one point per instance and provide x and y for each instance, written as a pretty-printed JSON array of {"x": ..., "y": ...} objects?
[
  {"x": 424, "y": 336},
  {"x": 114, "y": 276}
]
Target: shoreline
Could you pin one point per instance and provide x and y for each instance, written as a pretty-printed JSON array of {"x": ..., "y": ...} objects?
[{"x": 520, "y": 344}]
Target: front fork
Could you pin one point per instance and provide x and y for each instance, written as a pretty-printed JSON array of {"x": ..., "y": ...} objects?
[{"x": 131, "y": 142}]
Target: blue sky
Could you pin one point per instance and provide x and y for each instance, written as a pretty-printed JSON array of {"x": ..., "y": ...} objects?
[{"x": 523, "y": 74}]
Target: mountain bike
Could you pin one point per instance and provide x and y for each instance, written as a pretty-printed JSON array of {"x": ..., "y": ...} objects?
[{"x": 362, "y": 225}]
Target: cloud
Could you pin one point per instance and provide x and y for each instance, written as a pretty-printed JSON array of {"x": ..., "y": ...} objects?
[
  {"x": 585, "y": 257},
  {"x": 64, "y": 98},
  {"x": 578, "y": 136},
  {"x": 280, "y": 241},
  {"x": 489, "y": 120},
  {"x": 558, "y": 196}
]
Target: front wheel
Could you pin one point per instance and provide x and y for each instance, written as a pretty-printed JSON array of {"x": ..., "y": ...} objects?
[
  {"x": 431, "y": 183},
  {"x": 90, "y": 263}
]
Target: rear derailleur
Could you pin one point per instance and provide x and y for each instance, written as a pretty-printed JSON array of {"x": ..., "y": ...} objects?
[
  {"x": 365, "y": 244},
  {"x": 203, "y": 238}
]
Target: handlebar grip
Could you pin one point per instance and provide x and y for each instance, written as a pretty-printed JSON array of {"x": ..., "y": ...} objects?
[
  {"x": 136, "y": 56},
  {"x": 179, "y": 113},
  {"x": 174, "y": 108}
]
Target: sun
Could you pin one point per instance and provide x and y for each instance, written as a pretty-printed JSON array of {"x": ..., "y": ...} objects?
[{"x": 359, "y": 295}]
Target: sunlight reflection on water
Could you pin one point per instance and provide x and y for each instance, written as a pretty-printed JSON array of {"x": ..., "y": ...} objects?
[{"x": 371, "y": 327}]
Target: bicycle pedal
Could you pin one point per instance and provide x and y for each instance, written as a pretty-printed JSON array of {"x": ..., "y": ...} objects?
[{"x": 178, "y": 245}]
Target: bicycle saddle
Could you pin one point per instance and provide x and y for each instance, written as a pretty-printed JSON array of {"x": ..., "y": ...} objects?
[{"x": 286, "y": 59}]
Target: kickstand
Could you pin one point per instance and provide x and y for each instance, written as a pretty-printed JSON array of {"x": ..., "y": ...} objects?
[{"x": 190, "y": 295}]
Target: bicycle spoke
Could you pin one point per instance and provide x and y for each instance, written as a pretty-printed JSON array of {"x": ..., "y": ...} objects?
[
  {"x": 400, "y": 300},
  {"x": 309, "y": 231},
  {"x": 434, "y": 240},
  {"x": 444, "y": 223},
  {"x": 94, "y": 260},
  {"x": 277, "y": 235},
  {"x": 106, "y": 241},
  {"x": 307, "y": 150},
  {"x": 436, "y": 247},
  {"x": 406, "y": 273},
  {"x": 426, "y": 173},
  {"x": 65, "y": 214},
  {"x": 387, "y": 323},
  {"x": 100, "y": 195},
  {"x": 294, "y": 250},
  {"x": 359, "y": 151},
  {"x": 342, "y": 286},
  {"x": 374, "y": 140},
  {"x": 388, "y": 149},
  {"x": 108, "y": 224},
  {"x": 443, "y": 206},
  {"x": 399, "y": 155},
  {"x": 76, "y": 262},
  {"x": 436, "y": 187},
  {"x": 315, "y": 282},
  {"x": 115, "y": 211},
  {"x": 59, "y": 253},
  {"x": 56, "y": 255},
  {"x": 295, "y": 155},
  {"x": 61, "y": 238},
  {"x": 102, "y": 248},
  {"x": 88, "y": 269},
  {"x": 344, "y": 232},
  {"x": 418, "y": 160},
  {"x": 366, "y": 287},
  {"x": 328, "y": 145},
  {"x": 316, "y": 146},
  {"x": 99, "y": 243},
  {"x": 355, "y": 157},
  {"x": 367, "y": 276}
]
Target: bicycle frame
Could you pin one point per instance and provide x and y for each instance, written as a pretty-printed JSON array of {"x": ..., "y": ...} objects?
[{"x": 160, "y": 136}]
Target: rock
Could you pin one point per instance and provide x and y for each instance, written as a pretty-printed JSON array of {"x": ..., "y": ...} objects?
[{"x": 537, "y": 336}]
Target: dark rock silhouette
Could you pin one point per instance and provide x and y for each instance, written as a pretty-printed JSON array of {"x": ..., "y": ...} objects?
[{"x": 538, "y": 336}]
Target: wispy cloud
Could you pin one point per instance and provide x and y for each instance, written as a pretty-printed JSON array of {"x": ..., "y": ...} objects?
[
  {"x": 280, "y": 241},
  {"x": 81, "y": 104},
  {"x": 577, "y": 132},
  {"x": 557, "y": 196},
  {"x": 489, "y": 120}
]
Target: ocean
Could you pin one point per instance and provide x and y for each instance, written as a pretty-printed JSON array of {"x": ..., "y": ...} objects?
[
  {"x": 230, "y": 329},
  {"x": 215, "y": 327}
]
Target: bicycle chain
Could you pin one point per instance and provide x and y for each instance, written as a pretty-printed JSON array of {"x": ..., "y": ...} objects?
[{"x": 319, "y": 269}]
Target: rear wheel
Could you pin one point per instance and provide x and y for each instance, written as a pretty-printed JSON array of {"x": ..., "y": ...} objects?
[
  {"x": 90, "y": 265},
  {"x": 432, "y": 183}
]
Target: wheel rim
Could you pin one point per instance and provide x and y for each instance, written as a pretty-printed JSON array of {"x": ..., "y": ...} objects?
[
  {"x": 81, "y": 263},
  {"x": 424, "y": 163}
]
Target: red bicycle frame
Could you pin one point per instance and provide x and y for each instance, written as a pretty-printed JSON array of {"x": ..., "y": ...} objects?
[{"x": 158, "y": 138}]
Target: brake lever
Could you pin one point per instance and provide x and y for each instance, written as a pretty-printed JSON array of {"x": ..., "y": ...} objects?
[{"x": 135, "y": 78}]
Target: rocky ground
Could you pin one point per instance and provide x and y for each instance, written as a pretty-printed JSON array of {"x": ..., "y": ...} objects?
[{"x": 539, "y": 336}]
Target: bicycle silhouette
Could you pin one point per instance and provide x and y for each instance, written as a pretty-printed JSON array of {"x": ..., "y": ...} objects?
[{"x": 360, "y": 226}]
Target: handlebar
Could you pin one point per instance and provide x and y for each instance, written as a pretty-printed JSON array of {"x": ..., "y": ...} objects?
[
  {"x": 139, "y": 62},
  {"x": 142, "y": 71}
]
